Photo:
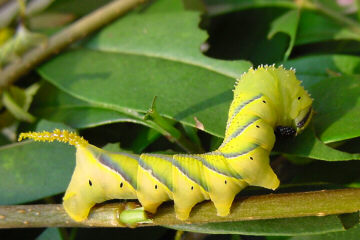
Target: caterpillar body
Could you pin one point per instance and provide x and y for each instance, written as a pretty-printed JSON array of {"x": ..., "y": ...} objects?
[{"x": 266, "y": 100}]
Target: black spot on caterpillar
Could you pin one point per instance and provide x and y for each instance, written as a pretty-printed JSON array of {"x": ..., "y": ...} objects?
[{"x": 265, "y": 100}]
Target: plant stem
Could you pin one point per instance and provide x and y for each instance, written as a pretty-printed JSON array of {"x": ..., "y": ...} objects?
[
  {"x": 351, "y": 23},
  {"x": 315, "y": 5},
  {"x": 64, "y": 38},
  {"x": 316, "y": 203},
  {"x": 171, "y": 132}
]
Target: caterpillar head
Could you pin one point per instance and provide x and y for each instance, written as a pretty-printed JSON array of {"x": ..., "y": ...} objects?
[
  {"x": 304, "y": 112},
  {"x": 296, "y": 103}
]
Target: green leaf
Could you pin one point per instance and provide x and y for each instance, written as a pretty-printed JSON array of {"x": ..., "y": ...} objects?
[
  {"x": 129, "y": 89},
  {"x": 315, "y": 27},
  {"x": 308, "y": 145},
  {"x": 134, "y": 59},
  {"x": 31, "y": 171},
  {"x": 313, "y": 69},
  {"x": 174, "y": 37},
  {"x": 50, "y": 234},
  {"x": 45, "y": 125},
  {"x": 350, "y": 234},
  {"x": 55, "y": 105},
  {"x": 287, "y": 24},
  {"x": 338, "y": 108},
  {"x": 274, "y": 227}
]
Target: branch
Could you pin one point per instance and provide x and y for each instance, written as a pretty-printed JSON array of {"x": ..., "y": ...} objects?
[
  {"x": 316, "y": 5},
  {"x": 316, "y": 203},
  {"x": 64, "y": 38},
  {"x": 343, "y": 19}
]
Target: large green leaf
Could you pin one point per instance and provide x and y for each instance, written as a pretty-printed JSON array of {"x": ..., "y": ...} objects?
[
  {"x": 55, "y": 105},
  {"x": 150, "y": 54},
  {"x": 28, "y": 168},
  {"x": 31, "y": 171},
  {"x": 312, "y": 69},
  {"x": 315, "y": 27},
  {"x": 350, "y": 234},
  {"x": 275, "y": 227},
  {"x": 174, "y": 37},
  {"x": 338, "y": 108},
  {"x": 116, "y": 82}
]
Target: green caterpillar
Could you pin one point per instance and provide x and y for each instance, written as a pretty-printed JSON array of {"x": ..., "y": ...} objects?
[{"x": 265, "y": 100}]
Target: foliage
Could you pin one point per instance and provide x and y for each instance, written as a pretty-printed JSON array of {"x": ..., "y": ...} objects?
[{"x": 189, "y": 59}]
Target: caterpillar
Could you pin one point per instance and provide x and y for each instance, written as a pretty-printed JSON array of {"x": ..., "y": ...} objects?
[{"x": 266, "y": 100}]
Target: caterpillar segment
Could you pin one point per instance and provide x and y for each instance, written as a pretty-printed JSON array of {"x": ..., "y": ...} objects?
[
  {"x": 265, "y": 100},
  {"x": 152, "y": 179}
]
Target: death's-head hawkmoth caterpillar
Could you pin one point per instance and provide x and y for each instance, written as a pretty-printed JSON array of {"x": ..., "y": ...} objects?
[{"x": 266, "y": 100}]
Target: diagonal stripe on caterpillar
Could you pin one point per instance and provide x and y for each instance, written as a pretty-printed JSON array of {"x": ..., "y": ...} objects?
[{"x": 265, "y": 100}]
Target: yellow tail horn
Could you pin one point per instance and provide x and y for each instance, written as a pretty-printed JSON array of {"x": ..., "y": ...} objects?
[{"x": 59, "y": 135}]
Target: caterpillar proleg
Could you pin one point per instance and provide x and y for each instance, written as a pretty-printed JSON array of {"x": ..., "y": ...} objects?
[{"x": 266, "y": 100}]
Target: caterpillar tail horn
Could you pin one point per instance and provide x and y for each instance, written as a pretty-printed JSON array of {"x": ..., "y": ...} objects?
[
  {"x": 59, "y": 135},
  {"x": 77, "y": 205}
]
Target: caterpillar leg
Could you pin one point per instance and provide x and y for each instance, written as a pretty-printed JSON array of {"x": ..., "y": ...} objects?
[
  {"x": 186, "y": 196},
  {"x": 154, "y": 181},
  {"x": 222, "y": 180},
  {"x": 189, "y": 185},
  {"x": 222, "y": 191},
  {"x": 255, "y": 168},
  {"x": 151, "y": 192},
  {"x": 131, "y": 215}
]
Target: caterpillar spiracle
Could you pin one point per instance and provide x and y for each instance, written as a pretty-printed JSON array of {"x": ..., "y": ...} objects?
[{"x": 266, "y": 100}]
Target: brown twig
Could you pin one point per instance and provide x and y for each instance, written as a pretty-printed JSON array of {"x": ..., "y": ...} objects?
[
  {"x": 316, "y": 203},
  {"x": 61, "y": 40}
]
